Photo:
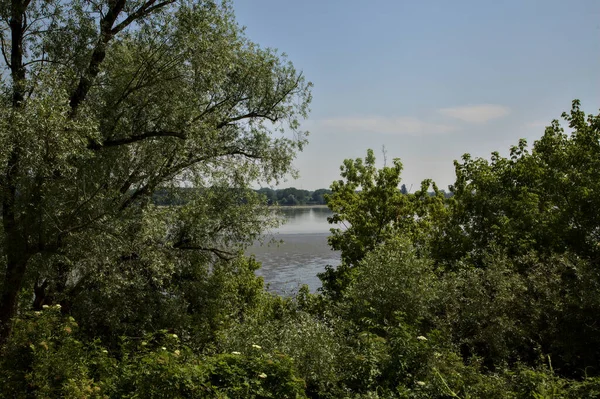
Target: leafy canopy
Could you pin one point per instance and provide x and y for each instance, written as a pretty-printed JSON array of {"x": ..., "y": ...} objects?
[{"x": 104, "y": 103}]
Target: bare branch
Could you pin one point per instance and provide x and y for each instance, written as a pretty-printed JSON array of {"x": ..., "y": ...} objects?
[
  {"x": 2, "y": 47},
  {"x": 246, "y": 116},
  {"x": 144, "y": 10},
  {"x": 263, "y": 114},
  {"x": 134, "y": 139},
  {"x": 43, "y": 60}
]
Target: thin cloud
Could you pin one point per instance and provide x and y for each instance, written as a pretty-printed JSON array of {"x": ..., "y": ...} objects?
[
  {"x": 537, "y": 124},
  {"x": 385, "y": 125},
  {"x": 476, "y": 113}
]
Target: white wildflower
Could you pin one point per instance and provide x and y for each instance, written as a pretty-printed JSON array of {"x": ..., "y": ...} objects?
[
  {"x": 257, "y": 346},
  {"x": 235, "y": 353},
  {"x": 421, "y": 338},
  {"x": 420, "y": 383},
  {"x": 262, "y": 375}
]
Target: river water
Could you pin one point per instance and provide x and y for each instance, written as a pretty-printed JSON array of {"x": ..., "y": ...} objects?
[{"x": 303, "y": 253}]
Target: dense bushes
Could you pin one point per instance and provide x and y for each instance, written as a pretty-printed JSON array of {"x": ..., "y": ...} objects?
[
  {"x": 492, "y": 293},
  {"x": 45, "y": 357},
  {"x": 474, "y": 333}
]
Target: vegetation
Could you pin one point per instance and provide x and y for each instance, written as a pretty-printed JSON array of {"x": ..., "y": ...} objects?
[
  {"x": 105, "y": 103},
  {"x": 283, "y": 197},
  {"x": 110, "y": 108},
  {"x": 292, "y": 196}
]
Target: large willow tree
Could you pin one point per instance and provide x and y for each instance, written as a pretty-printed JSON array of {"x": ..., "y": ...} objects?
[{"x": 103, "y": 102}]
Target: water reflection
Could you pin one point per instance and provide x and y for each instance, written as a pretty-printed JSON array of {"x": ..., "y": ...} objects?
[
  {"x": 303, "y": 220},
  {"x": 303, "y": 253}
]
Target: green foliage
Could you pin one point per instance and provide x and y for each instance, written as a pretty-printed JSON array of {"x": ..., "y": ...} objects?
[
  {"x": 45, "y": 358},
  {"x": 204, "y": 299},
  {"x": 109, "y": 110},
  {"x": 542, "y": 200},
  {"x": 163, "y": 373},
  {"x": 145, "y": 98},
  {"x": 532, "y": 214},
  {"x": 368, "y": 205},
  {"x": 489, "y": 292},
  {"x": 489, "y": 312},
  {"x": 371, "y": 210},
  {"x": 281, "y": 326},
  {"x": 392, "y": 280}
]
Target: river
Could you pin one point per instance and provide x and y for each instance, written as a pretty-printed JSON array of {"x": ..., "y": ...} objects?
[{"x": 303, "y": 253}]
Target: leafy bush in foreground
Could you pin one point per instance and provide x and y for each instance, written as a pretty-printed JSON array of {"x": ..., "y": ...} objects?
[{"x": 44, "y": 358}]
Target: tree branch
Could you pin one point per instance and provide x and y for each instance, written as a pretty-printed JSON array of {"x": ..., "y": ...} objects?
[
  {"x": 221, "y": 254},
  {"x": 98, "y": 55},
  {"x": 2, "y": 48},
  {"x": 107, "y": 32},
  {"x": 252, "y": 114},
  {"x": 17, "y": 29},
  {"x": 134, "y": 139},
  {"x": 146, "y": 9}
]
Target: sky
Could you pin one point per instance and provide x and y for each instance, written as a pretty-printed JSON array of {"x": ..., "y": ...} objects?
[{"x": 429, "y": 80}]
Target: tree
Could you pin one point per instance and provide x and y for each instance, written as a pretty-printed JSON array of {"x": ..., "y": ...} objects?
[
  {"x": 515, "y": 250},
  {"x": 367, "y": 205},
  {"x": 318, "y": 196},
  {"x": 371, "y": 209},
  {"x": 270, "y": 195},
  {"x": 104, "y": 103},
  {"x": 541, "y": 200},
  {"x": 534, "y": 214}
]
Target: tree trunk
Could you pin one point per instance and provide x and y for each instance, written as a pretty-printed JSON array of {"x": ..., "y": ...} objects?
[
  {"x": 15, "y": 248},
  {"x": 15, "y": 243},
  {"x": 13, "y": 280}
]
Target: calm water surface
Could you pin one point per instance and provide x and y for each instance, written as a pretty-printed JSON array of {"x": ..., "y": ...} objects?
[{"x": 303, "y": 253}]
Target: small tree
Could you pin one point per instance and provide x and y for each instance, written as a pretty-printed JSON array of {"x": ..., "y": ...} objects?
[{"x": 371, "y": 209}]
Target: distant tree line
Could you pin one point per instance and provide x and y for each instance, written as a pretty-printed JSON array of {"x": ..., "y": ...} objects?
[
  {"x": 285, "y": 197},
  {"x": 290, "y": 196}
]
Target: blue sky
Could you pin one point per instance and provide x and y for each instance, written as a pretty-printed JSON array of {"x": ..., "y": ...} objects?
[{"x": 429, "y": 80}]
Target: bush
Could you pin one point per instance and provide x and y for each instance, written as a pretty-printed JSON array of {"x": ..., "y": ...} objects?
[
  {"x": 45, "y": 359},
  {"x": 391, "y": 280}
]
